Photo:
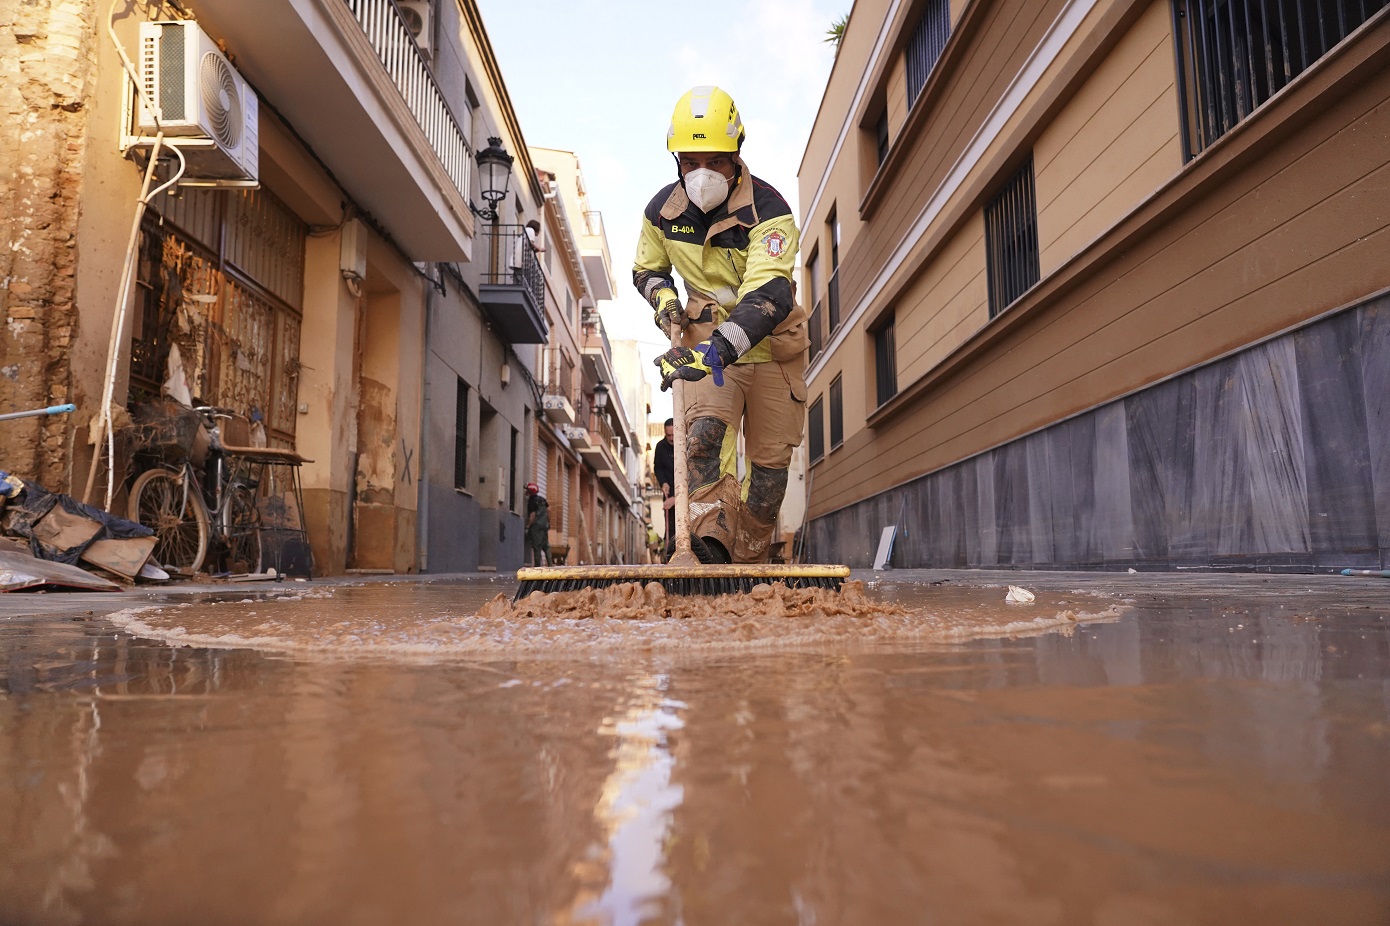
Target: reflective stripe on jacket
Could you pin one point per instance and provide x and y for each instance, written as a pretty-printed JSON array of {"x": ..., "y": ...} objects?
[{"x": 738, "y": 259}]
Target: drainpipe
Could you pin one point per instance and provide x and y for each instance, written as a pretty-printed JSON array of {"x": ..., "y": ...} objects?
[{"x": 422, "y": 504}]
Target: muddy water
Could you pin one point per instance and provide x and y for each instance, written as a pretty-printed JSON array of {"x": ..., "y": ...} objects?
[{"x": 382, "y": 754}]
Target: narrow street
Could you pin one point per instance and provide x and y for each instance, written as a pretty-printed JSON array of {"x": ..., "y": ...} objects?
[{"x": 1129, "y": 748}]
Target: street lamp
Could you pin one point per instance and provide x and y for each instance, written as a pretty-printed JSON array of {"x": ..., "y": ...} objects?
[
  {"x": 601, "y": 396},
  {"x": 494, "y": 173}
]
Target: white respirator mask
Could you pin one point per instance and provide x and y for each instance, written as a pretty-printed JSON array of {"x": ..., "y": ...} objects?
[{"x": 706, "y": 188}]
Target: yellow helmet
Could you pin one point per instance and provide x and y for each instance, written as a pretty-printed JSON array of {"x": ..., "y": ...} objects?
[{"x": 705, "y": 119}]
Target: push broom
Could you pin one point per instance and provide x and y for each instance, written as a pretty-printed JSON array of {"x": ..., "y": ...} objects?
[{"x": 683, "y": 574}]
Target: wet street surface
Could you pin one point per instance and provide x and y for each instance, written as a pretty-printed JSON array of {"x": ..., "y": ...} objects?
[{"x": 1141, "y": 749}]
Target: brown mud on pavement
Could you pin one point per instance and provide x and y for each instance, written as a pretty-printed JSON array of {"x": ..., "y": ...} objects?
[
  {"x": 436, "y": 621},
  {"x": 1217, "y": 753}
]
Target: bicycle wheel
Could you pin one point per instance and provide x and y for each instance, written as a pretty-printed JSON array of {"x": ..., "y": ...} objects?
[
  {"x": 241, "y": 528},
  {"x": 168, "y": 504}
]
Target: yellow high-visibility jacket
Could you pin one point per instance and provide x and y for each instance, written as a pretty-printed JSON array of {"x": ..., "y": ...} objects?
[{"x": 736, "y": 263}]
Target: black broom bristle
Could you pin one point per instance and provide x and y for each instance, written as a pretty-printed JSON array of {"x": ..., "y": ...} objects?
[{"x": 680, "y": 585}]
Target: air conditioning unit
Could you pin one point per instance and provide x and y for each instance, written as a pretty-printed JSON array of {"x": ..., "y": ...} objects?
[
  {"x": 202, "y": 104},
  {"x": 418, "y": 19}
]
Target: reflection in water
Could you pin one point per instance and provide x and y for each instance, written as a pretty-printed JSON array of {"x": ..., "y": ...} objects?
[{"x": 635, "y": 809}]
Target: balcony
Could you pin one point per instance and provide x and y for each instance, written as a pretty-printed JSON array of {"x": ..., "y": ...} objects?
[
  {"x": 593, "y": 245},
  {"x": 350, "y": 80},
  {"x": 597, "y": 350},
  {"x": 512, "y": 287}
]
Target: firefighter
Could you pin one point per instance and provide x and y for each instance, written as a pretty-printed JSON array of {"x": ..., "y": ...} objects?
[{"x": 732, "y": 239}]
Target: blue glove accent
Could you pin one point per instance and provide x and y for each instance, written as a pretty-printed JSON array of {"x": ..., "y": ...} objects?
[{"x": 713, "y": 360}]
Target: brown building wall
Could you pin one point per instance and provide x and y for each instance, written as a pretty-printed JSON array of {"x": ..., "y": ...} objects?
[
  {"x": 50, "y": 66},
  {"x": 1285, "y": 219}
]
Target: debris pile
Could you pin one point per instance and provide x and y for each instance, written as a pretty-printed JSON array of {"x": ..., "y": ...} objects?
[{"x": 635, "y": 601}]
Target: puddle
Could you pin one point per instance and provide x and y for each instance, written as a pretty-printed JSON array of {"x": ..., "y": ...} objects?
[
  {"x": 413, "y": 620},
  {"x": 387, "y": 753}
]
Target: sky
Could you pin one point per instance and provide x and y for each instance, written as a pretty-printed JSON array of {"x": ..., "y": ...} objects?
[{"x": 601, "y": 77}]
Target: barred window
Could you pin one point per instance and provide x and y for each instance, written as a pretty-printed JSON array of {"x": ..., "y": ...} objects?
[
  {"x": 813, "y": 332},
  {"x": 1233, "y": 56},
  {"x": 886, "y": 360},
  {"x": 815, "y": 429},
  {"x": 461, "y": 437},
  {"x": 925, "y": 47},
  {"x": 837, "y": 412},
  {"x": 832, "y": 293},
  {"x": 1011, "y": 240}
]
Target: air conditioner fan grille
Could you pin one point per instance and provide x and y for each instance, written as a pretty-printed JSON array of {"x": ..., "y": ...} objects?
[{"x": 221, "y": 100}]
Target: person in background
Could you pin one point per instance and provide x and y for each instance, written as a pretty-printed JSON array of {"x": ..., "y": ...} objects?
[
  {"x": 733, "y": 240},
  {"x": 664, "y": 467},
  {"x": 528, "y": 238},
  {"x": 537, "y": 526}
]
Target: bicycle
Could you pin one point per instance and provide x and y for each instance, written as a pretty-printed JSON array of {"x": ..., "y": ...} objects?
[{"x": 190, "y": 513}]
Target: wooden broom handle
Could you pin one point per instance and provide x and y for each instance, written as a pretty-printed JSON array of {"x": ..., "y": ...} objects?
[{"x": 682, "y": 556}]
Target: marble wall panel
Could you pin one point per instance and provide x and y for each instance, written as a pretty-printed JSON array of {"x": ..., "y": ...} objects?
[
  {"x": 1060, "y": 490},
  {"x": 1114, "y": 516},
  {"x": 986, "y": 532},
  {"x": 1375, "y": 385},
  {"x": 1161, "y": 442},
  {"x": 1040, "y": 513},
  {"x": 1271, "y": 423},
  {"x": 1336, "y": 448},
  {"x": 1011, "y": 509},
  {"x": 1221, "y": 516},
  {"x": 1080, "y": 442}
]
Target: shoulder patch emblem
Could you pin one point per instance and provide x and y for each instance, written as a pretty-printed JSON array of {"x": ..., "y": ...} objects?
[{"x": 775, "y": 242}]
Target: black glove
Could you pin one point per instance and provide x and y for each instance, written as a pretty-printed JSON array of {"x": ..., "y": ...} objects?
[
  {"x": 695, "y": 363},
  {"x": 668, "y": 310}
]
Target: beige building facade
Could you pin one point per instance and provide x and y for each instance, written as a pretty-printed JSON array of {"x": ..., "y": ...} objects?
[
  {"x": 1099, "y": 283},
  {"x": 326, "y": 255}
]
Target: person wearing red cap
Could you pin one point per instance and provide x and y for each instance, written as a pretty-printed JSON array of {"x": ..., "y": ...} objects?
[{"x": 537, "y": 526}]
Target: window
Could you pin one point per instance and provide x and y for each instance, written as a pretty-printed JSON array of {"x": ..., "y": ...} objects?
[
  {"x": 815, "y": 429},
  {"x": 925, "y": 47},
  {"x": 1011, "y": 240},
  {"x": 832, "y": 291},
  {"x": 461, "y": 438},
  {"x": 881, "y": 137},
  {"x": 813, "y": 286},
  {"x": 1232, "y": 57},
  {"x": 886, "y": 360},
  {"x": 837, "y": 412}
]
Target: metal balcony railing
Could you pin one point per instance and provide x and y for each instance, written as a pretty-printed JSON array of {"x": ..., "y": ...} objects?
[
  {"x": 511, "y": 260},
  {"x": 386, "y": 30}
]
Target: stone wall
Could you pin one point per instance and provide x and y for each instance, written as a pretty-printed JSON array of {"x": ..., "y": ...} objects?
[{"x": 47, "y": 66}]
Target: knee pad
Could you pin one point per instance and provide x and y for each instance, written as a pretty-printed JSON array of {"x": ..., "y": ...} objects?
[
  {"x": 766, "y": 489},
  {"x": 704, "y": 440}
]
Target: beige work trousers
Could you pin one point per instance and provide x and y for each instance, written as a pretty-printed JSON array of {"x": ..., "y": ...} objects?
[{"x": 768, "y": 401}]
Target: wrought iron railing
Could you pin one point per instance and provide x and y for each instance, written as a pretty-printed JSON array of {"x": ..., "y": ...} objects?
[
  {"x": 512, "y": 260},
  {"x": 381, "y": 20},
  {"x": 1233, "y": 56}
]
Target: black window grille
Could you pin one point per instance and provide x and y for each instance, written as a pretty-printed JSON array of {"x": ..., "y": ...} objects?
[
  {"x": 461, "y": 438},
  {"x": 925, "y": 47},
  {"x": 886, "y": 360},
  {"x": 1233, "y": 55},
  {"x": 1011, "y": 240},
  {"x": 881, "y": 137},
  {"x": 832, "y": 302},
  {"x": 837, "y": 412},
  {"x": 511, "y": 472},
  {"x": 815, "y": 429},
  {"x": 813, "y": 332},
  {"x": 832, "y": 292}
]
